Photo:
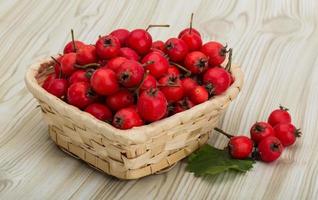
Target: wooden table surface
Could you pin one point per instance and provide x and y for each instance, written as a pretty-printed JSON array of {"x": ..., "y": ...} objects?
[{"x": 275, "y": 42}]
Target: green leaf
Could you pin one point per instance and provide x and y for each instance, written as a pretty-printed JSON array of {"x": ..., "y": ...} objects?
[{"x": 211, "y": 161}]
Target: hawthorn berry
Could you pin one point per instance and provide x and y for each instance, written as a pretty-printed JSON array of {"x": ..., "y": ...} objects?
[
  {"x": 121, "y": 34},
  {"x": 121, "y": 99},
  {"x": 269, "y": 149},
  {"x": 216, "y": 80},
  {"x": 278, "y": 116},
  {"x": 100, "y": 111},
  {"x": 196, "y": 62},
  {"x": 176, "y": 49},
  {"x": 286, "y": 133},
  {"x": 104, "y": 81},
  {"x": 80, "y": 95},
  {"x": 107, "y": 47},
  {"x": 172, "y": 88},
  {"x": 261, "y": 130},
  {"x": 128, "y": 53},
  {"x": 198, "y": 94},
  {"x": 127, "y": 118},
  {"x": 140, "y": 41},
  {"x": 158, "y": 64},
  {"x": 130, "y": 73},
  {"x": 86, "y": 55},
  {"x": 215, "y": 51}
]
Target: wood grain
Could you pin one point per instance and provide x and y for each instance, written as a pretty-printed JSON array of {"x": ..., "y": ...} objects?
[{"x": 276, "y": 42}]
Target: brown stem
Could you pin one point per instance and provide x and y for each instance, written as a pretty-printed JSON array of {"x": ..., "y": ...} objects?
[
  {"x": 229, "y": 63},
  {"x": 73, "y": 40},
  {"x": 148, "y": 63},
  {"x": 157, "y": 25},
  {"x": 142, "y": 82},
  {"x": 91, "y": 65},
  {"x": 59, "y": 64},
  {"x": 191, "y": 20},
  {"x": 223, "y": 132},
  {"x": 182, "y": 68}
]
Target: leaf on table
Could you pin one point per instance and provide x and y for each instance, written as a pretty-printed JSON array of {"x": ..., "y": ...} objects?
[{"x": 210, "y": 161}]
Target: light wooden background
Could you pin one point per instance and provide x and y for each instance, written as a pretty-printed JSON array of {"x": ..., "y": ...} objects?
[{"x": 275, "y": 41}]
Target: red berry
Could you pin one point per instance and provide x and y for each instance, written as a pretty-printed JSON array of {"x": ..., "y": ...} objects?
[
  {"x": 278, "y": 116},
  {"x": 115, "y": 63},
  {"x": 158, "y": 45},
  {"x": 198, "y": 94},
  {"x": 119, "y": 100},
  {"x": 57, "y": 87},
  {"x": 67, "y": 63},
  {"x": 159, "y": 64},
  {"x": 80, "y": 95},
  {"x": 149, "y": 82},
  {"x": 270, "y": 149},
  {"x": 188, "y": 84},
  {"x": 196, "y": 62},
  {"x": 121, "y": 34},
  {"x": 127, "y": 118},
  {"x": 48, "y": 80},
  {"x": 240, "y": 147},
  {"x": 187, "y": 30},
  {"x": 80, "y": 76},
  {"x": 193, "y": 41},
  {"x": 176, "y": 49},
  {"x": 261, "y": 130},
  {"x": 130, "y": 73},
  {"x": 107, "y": 47},
  {"x": 69, "y": 47},
  {"x": 286, "y": 133},
  {"x": 128, "y": 53},
  {"x": 99, "y": 111},
  {"x": 173, "y": 70},
  {"x": 172, "y": 88},
  {"x": 152, "y": 105},
  {"x": 104, "y": 81},
  {"x": 140, "y": 41},
  {"x": 217, "y": 80},
  {"x": 182, "y": 105},
  {"x": 86, "y": 55},
  {"x": 215, "y": 51}
]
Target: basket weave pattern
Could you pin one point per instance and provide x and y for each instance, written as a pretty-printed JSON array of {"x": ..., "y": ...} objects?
[{"x": 133, "y": 153}]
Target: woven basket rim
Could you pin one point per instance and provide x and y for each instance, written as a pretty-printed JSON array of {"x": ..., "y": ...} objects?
[{"x": 135, "y": 135}]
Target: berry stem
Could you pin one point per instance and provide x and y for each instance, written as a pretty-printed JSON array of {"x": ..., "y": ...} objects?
[
  {"x": 283, "y": 108},
  {"x": 91, "y": 65},
  {"x": 223, "y": 132},
  {"x": 157, "y": 25},
  {"x": 143, "y": 80},
  {"x": 229, "y": 63},
  {"x": 59, "y": 64},
  {"x": 73, "y": 40},
  {"x": 191, "y": 20},
  {"x": 188, "y": 72},
  {"x": 148, "y": 63}
]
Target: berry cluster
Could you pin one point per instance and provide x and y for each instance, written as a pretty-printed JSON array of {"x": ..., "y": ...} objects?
[
  {"x": 268, "y": 139},
  {"x": 128, "y": 80}
]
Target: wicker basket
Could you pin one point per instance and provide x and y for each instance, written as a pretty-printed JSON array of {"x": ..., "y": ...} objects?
[{"x": 133, "y": 153}]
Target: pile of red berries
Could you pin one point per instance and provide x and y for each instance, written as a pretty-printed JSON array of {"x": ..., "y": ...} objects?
[
  {"x": 128, "y": 80},
  {"x": 268, "y": 139}
]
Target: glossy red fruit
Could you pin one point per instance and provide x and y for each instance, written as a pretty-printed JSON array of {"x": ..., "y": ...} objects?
[
  {"x": 173, "y": 70},
  {"x": 240, "y": 147},
  {"x": 182, "y": 105},
  {"x": 270, "y": 148},
  {"x": 130, "y": 73},
  {"x": 68, "y": 62},
  {"x": 196, "y": 62},
  {"x": 187, "y": 30},
  {"x": 217, "y": 80},
  {"x": 48, "y": 80},
  {"x": 115, "y": 63},
  {"x": 159, "y": 64},
  {"x": 152, "y": 105},
  {"x": 215, "y": 51},
  {"x": 80, "y": 76},
  {"x": 100, "y": 111},
  {"x": 104, "y": 82},
  {"x": 120, "y": 99},
  {"x": 158, "y": 45},
  {"x": 86, "y": 55},
  {"x": 149, "y": 82},
  {"x": 198, "y": 95},
  {"x": 172, "y": 88},
  {"x": 127, "y": 118},
  {"x": 188, "y": 84},
  {"x": 193, "y": 41},
  {"x": 80, "y": 95},
  {"x": 107, "y": 47},
  {"x": 176, "y": 49},
  {"x": 261, "y": 130},
  {"x": 140, "y": 41},
  {"x": 129, "y": 53},
  {"x": 286, "y": 133},
  {"x": 69, "y": 47},
  {"x": 278, "y": 116},
  {"x": 57, "y": 87},
  {"x": 121, "y": 34}
]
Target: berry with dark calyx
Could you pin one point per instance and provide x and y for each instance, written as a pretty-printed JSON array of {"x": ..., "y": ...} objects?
[
  {"x": 173, "y": 70},
  {"x": 121, "y": 34},
  {"x": 130, "y": 73},
  {"x": 269, "y": 149},
  {"x": 172, "y": 88},
  {"x": 115, "y": 63},
  {"x": 159, "y": 64},
  {"x": 104, "y": 82},
  {"x": 68, "y": 62},
  {"x": 128, "y": 53},
  {"x": 215, "y": 51},
  {"x": 176, "y": 49},
  {"x": 86, "y": 55},
  {"x": 80, "y": 95},
  {"x": 182, "y": 105},
  {"x": 196, "y": 62},
  {"x": 278, "y": 116},
  {"x": 107, "y": 47},
  {"x": 127, "y": 118},
  {"x": 192, "y": 39},
  {"x": 121, "y": 99},
  {"x": 240, "y": 147},
  {"x": 261, "y": 130},
  {"x": 100, "y": 111},
  {"x": 152, "y": 105},
  {"x": 198, "y": 94},
  {"x": 73, "y": 45},
  {"x": 188, "y": 84},
  {"x": 57, "y": 87},
  {"x": 286, "y": 133},
  {"x": 140, "y": 41},
  {"x": 80, "y": 76},
  {"x": 216, "y": 80},
  {"x": 160, "y": 45}
]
